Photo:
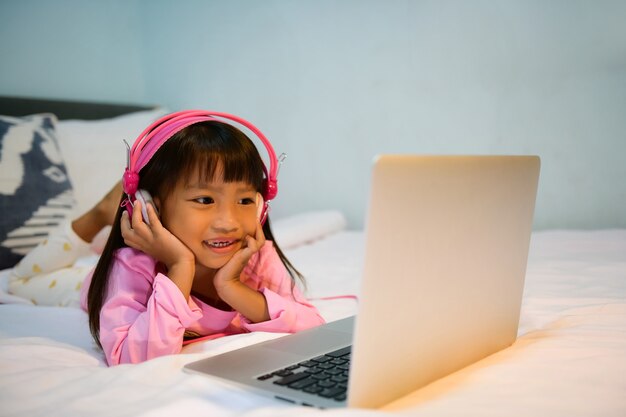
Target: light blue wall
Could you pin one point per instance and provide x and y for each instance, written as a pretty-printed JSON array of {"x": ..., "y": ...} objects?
[
  {"x": 333, "y": 83},
  {"x": 72, "y": 49}
]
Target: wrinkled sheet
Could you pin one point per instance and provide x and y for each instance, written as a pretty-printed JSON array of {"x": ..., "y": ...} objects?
[{"x": 569, "y": 358}]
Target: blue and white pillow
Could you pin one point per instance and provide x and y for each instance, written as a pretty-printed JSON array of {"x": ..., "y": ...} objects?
[{"x": 35, "y": 191}]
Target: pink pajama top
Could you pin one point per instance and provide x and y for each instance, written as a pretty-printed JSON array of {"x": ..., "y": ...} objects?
[{"x": 145, "y": 315}]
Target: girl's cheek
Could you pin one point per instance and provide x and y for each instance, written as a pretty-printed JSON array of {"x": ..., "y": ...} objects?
[{"x": 251, "y": 225}]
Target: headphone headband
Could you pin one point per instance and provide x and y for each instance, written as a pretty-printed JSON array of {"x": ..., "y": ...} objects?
[{"x": 154, "y": 136}]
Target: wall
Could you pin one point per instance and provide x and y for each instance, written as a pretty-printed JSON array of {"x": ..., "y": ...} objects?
[
  {"x": 334, "y": 83},
  {"x": 71, "y": 49}
]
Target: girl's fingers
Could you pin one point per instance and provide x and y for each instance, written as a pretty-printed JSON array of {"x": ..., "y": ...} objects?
[
  {"x": 260, "y": 236},
  {"x": 255, "y": 243},
  {"x": 125, "y": 224},
  {"x": 152, "y": 215},
  {"x": 137, "y": 219},
  {"x": 128, "y": 233},
  {"x": 232, "y": 270},
  {"x": 135, "y": 231},
  {"x": 250, "y": 246}
]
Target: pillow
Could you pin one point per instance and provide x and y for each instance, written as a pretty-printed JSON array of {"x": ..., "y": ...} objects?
[
  {"x": 95, "y": 153},
  {"x": 35, "y": 191},
  {"x": 291, "y": 232}
]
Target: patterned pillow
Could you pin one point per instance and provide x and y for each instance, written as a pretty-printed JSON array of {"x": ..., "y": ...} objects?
[{"x": 35, "y": 191}]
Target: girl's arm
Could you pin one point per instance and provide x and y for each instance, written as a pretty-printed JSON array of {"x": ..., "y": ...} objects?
[
  {"x": 143, "y": 316},
  {"x": 288, "y": 310},
  {"x": 289, "y": 313},
  {"x": 267, "y": 300},
  {"x": 248, "y": 302}
]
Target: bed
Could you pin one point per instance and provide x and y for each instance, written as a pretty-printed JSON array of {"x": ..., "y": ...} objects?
[{"x": 569, "y": 358}]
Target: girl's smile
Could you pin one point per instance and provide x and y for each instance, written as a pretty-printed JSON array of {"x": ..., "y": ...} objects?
[
  {"x": 218, "y": 245},
  {"x": 211, "y": 219},
  {"x": 223, "y": 247}
]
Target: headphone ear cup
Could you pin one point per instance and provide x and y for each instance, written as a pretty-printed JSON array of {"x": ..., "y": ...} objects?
[{"x": 145, "y": 198}]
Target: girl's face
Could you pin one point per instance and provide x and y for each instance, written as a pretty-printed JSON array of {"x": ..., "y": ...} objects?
[{"x": 211, "y": 219}]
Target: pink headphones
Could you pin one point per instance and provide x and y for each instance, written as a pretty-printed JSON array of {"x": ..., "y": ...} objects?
[{"x": 155, "y": 135}]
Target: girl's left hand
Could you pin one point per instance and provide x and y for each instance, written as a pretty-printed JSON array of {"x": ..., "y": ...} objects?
[{"x": 229, "y": 273}]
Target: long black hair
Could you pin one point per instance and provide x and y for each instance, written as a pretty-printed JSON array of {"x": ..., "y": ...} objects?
[{"x": 204, "y": 146}]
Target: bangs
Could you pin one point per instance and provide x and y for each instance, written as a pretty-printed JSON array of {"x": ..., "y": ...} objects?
[
  {"x": 210, "y": 150},
  {"x": 219, "y": 155},
  {"x": 229, "y": 167}
]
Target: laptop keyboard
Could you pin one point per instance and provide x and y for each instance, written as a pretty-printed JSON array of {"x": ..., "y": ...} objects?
[{"x": 325, "y": 375}]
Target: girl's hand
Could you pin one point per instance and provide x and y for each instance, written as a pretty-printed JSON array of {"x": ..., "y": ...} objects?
[
  {"x": 247, "y": 301},
  {"x": 229, "y": 273},
  {"x": 154, "y": 239}
]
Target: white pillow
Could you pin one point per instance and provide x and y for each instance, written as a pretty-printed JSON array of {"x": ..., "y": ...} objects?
[
  {"x": 303, "y": 228},
  {"x": 95, "y": 154}
]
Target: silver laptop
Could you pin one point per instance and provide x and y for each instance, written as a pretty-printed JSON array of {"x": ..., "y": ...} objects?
[{"x": 447, "y": 241}]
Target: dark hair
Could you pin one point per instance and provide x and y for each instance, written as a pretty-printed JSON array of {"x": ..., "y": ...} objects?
[{"x": 206, "y": 146}]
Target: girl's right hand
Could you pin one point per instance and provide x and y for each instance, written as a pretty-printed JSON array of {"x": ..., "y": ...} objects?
[{"x": 154, "y": 239}]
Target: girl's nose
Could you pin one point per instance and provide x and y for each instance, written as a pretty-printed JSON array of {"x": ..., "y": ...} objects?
[{"x": 225, "y": 219}]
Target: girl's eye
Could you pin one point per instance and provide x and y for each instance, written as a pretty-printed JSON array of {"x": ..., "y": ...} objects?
[
  {"x": 204, "y": 200},
  {"x": 246, "y": 201}
]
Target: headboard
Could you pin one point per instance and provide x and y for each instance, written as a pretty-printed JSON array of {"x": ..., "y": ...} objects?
[{"x": 66, "y": 109}]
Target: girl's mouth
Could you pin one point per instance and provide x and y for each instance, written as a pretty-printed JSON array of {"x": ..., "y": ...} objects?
[{"x": 219, "y": 244}]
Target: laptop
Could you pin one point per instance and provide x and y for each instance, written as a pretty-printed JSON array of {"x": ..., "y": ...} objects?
[{"x": 447, "y": 241}]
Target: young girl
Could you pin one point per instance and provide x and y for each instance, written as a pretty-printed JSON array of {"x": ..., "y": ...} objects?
[{"x": 200, "y": 259}]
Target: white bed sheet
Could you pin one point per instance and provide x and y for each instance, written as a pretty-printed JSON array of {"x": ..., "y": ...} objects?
[{"x": 569, "y": 359}]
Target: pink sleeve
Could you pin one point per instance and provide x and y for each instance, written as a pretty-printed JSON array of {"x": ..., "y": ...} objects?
[
  {"x": 288, "y": 309},
  {"x": 143, "y": 316}
]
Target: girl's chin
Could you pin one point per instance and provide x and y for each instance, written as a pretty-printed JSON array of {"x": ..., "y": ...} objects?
[
  {"x": 216, "y": 257},
  {"x": 212, "y": 265}
]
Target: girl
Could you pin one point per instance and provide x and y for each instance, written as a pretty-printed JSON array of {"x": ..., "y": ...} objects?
[{"x": 201, "y": 261}]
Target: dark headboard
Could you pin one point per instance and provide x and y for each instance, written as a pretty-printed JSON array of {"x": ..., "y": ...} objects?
[{"x": 66, "y": 109}]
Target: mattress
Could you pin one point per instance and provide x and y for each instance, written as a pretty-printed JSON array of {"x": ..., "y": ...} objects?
[{"x": 569, "y": 358}]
